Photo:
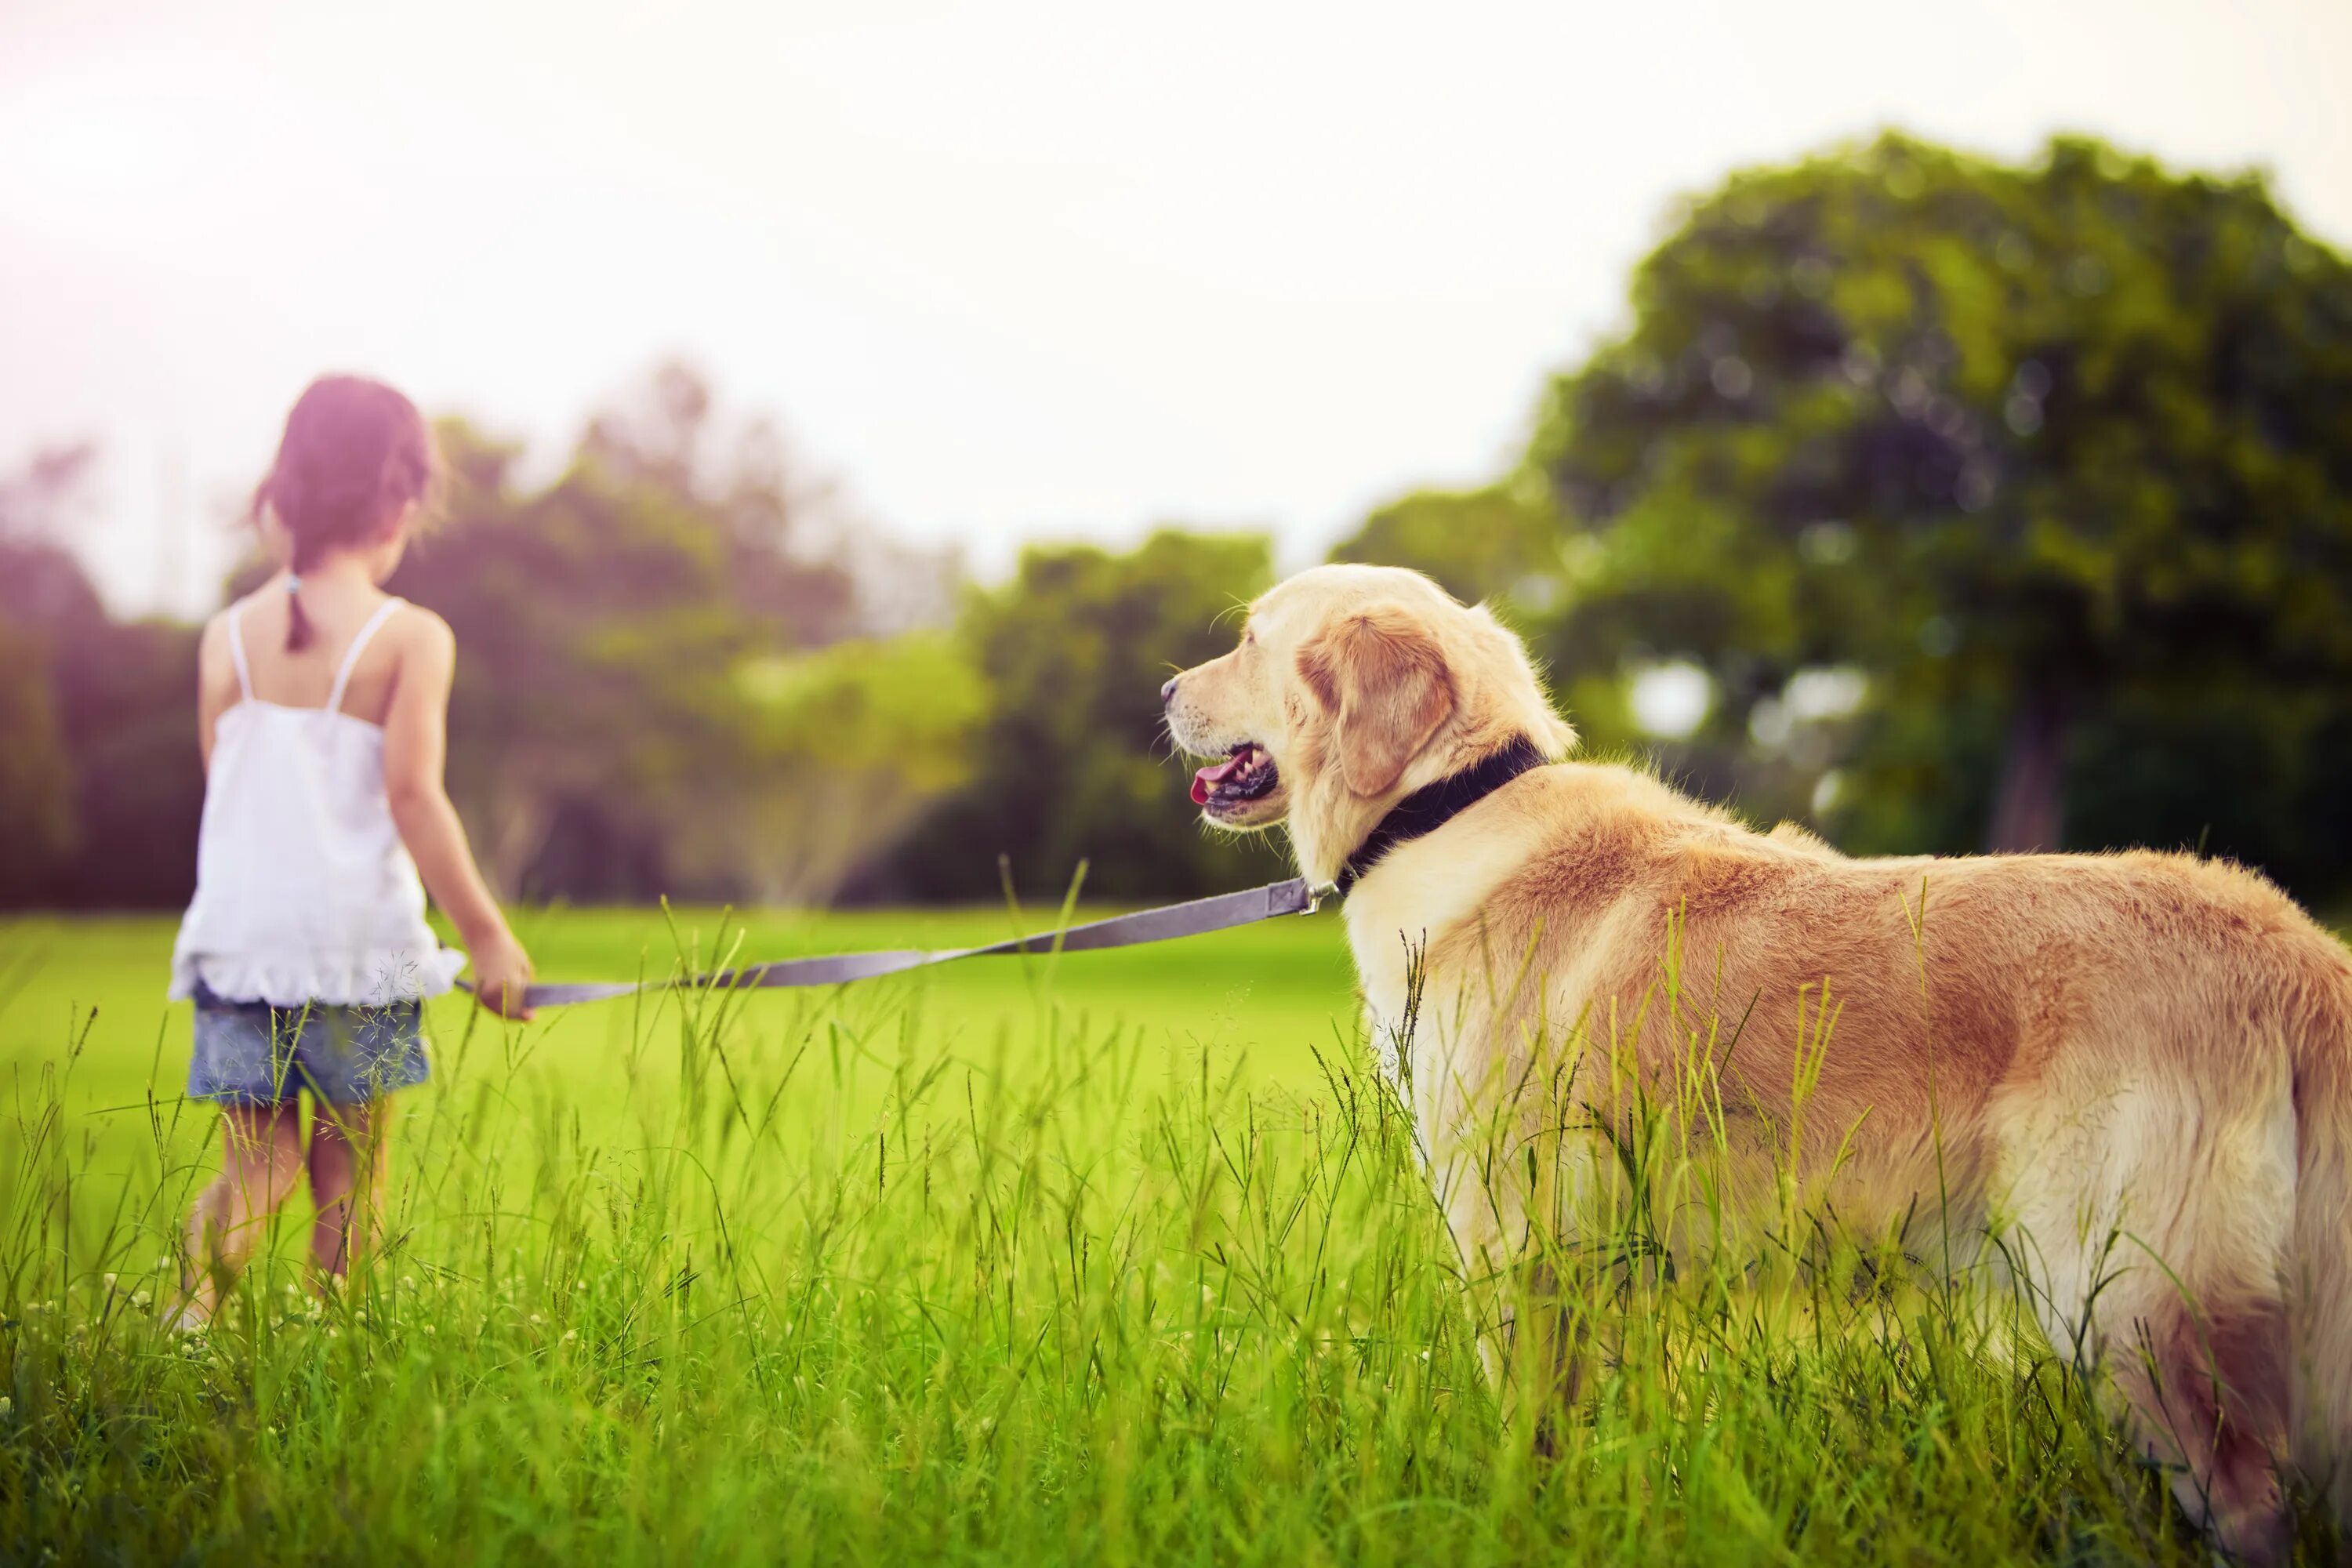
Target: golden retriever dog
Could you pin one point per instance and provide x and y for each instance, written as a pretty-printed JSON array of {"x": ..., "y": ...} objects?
[{"x": 2128, "y": 1077}]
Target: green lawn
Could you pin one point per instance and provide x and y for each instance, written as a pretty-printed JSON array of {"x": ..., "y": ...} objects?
[
  {"x": 1259, "y": 1003},
  {"x": 1114, "y": 1258}
]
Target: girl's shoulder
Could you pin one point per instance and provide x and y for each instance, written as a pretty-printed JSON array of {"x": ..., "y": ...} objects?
[
  {"x": 418, "y": 646},
  {"x": 413, "y": 629},
  {"x": 213, "y": 654},
  {"x": 409, "y": 632}
]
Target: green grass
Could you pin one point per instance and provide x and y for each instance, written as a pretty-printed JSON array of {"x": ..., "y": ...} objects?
[{"x": 1121, "y": 1258}]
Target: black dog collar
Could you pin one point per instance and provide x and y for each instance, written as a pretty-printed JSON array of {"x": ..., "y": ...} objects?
[{"x": 1432, "y": 807}]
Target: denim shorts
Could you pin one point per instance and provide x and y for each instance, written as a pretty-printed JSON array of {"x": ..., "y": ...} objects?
[{"x": 249, "y": 1053}]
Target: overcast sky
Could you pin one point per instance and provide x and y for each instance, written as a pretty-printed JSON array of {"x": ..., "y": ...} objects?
[{"x": 1008, "y": 271}]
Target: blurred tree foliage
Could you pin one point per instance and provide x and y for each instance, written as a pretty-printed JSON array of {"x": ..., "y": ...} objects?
[
  {"x": 2057, "y": 449},
  {"x": 1502, "y": 542},
  {"x": 36, "y": 776},
  {"x": 1074, "y": 765},
  {"x": 598, "y": 631},
  {"x": 654, "y": 695},
  {"x": 2059, "y": 457},
  {"x": 654, "y": 692},
  {"x": 97, "y": 718},
  {"x": 848, "y": 745}
]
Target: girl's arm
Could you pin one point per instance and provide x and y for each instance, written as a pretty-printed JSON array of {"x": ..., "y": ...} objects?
[
  {"x": 216, "y": 689},
  {"x": 416, "y": 749}
]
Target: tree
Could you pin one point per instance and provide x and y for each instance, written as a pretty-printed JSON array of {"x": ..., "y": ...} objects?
[
  {"x": 1501, "y": 543},
  {"x": 41, "y": 591},
  {"x": 787, "y": 559},
  {"x": 2036, "y": 446},
  {"x": 596, "y": 629},
  {"x": 102, "y": 786},
  {"x": 1074, "y": 765},
  {"x": 36, "y": 775},
  {"x": 654, "y": 694},
  {"x": 847, "y": 745}
]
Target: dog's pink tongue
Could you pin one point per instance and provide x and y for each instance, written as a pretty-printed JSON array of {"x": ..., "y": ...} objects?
[{"x": 1210, "y": 778}]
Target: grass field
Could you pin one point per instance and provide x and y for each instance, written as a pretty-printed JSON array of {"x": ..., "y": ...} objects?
[{"x": 1120, "y": 1257}]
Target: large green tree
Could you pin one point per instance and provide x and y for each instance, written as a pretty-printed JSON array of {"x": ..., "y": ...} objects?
[
  {"x": 640, "y": 706},
  {"x": 2047, "y": 451},
  {"x": 1075, "y": 765},
  {"x": 1500, "y": 542},
  {"x": 842, "y": 750},
  {"x": 595, "y": 632}
]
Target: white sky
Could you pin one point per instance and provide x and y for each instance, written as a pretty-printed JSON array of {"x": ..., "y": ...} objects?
[{"x": 1008, "y": 271}]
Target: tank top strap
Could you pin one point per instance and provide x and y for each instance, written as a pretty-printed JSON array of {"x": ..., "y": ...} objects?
[
  {"x": 236, "y": 650},
  {"x": 352, "y": 654}
]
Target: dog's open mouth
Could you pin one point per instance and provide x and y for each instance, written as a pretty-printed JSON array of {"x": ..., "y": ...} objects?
[{"x": 1247, "y": 773}]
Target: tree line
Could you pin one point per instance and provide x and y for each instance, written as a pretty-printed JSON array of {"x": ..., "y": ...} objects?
[
  {"x": 1982, "y": 505},
  {"x": 2049, "y": 466}
]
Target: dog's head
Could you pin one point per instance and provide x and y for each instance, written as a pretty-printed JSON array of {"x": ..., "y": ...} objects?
[{"x": 1351, "y": 688}]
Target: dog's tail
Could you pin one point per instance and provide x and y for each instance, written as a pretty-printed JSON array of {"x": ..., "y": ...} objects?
[{"x": 2320, "y": 1309}]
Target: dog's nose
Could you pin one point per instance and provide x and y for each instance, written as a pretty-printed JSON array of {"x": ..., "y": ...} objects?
[{"x": 1168, "y": 692}]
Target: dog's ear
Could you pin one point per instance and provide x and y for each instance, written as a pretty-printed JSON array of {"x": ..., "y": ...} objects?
[{"x": 1382, "y": 679}]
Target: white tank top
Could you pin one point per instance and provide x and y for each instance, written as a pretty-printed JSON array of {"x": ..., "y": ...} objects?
[{"x": 304, "y": 890}]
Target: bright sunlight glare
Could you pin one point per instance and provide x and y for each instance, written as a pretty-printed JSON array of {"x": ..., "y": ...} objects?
[{"x": 1670, "y": 701}]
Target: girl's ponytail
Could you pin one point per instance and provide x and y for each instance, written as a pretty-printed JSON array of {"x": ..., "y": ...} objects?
[
  {"x": 300, "y": 633},
  {"x": 297, "y": 625},
  {"x": 356, "y": 457}
]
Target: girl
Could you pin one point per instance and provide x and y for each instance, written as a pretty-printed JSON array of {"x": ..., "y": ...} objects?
[{"x": 323, "y": 706}]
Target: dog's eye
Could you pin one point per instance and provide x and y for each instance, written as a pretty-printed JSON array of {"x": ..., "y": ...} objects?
[{"x": 1248, "y": 637}]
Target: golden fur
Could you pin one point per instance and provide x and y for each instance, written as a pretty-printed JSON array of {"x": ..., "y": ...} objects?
[{"x": 2137, "y": 1065}]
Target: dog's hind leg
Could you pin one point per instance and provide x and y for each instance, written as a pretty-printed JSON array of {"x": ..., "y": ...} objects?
[
  {"x": 2205, "y": 1391},
  {"x": 2218, "y": 1396},
  {"x": 1534, "y": 1343},
  {"x": 2152, "y": 1237},
  {"x": 1538, "y": 1285}
]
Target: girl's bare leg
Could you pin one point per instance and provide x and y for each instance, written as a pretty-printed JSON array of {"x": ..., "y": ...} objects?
[
  {"x": 347, "y": 1166},
  {"x": 261, "y": 1159}
]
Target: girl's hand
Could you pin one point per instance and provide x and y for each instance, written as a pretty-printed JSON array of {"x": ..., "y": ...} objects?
[{"x": 501, "y": 975}]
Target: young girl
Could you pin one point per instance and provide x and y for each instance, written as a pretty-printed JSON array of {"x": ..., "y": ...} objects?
[{"x": 323, "y": 707}]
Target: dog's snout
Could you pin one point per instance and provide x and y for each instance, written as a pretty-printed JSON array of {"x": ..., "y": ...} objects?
[{"x": 1168, "y": 692}]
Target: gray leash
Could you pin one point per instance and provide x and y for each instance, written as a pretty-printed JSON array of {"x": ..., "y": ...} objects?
[{"x": 1221, "y": 912}]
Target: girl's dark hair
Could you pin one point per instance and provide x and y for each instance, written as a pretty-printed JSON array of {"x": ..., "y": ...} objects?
[{"x": 355, "y": 455}]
